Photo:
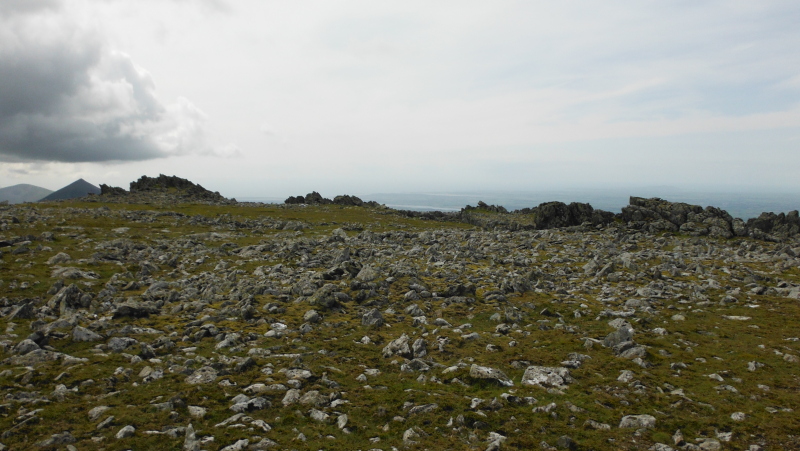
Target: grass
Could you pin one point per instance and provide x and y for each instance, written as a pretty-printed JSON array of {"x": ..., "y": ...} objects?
[{"x": 706, "y": 341}]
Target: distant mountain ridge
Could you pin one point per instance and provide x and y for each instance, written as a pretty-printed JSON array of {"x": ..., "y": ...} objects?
[
  {"x": 78, "y": 188},
  {"x": 23, "y": 192}
]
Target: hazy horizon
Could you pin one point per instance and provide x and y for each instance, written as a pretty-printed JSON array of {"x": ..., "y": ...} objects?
[{"x": 738, "y": 202}]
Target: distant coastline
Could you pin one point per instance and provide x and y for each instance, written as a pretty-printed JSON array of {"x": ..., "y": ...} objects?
[{"x": 738, "y": 204}]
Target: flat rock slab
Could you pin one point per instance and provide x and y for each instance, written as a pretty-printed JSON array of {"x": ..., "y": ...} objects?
[
  {"x": 204, "y": 375},
  {"x": 547, "y": 377},
  {"x": 637, "y": 421},
  {"x": 484, "y": 372}
]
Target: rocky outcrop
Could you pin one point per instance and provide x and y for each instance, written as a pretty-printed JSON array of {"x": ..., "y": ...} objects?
[
  {"x": 658, "y": 215},
  {"x": 548, "y": 215},
  {"x": 315, "y": 198},
  {"x": 781, "y": 226},
  {"x": 106, "y": 190},
  {"x": 551, "y": 215},
  {"x": 163, "y": 182}
]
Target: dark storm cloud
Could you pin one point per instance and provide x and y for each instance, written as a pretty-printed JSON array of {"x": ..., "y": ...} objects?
[
  {"x": 61, "y": 139},
  {"x": 64, "y": 96},
  {"x": 37, "y": 78}
]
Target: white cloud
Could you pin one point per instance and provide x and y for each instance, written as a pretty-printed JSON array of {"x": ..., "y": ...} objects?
[{"x": 65, "y": 96}]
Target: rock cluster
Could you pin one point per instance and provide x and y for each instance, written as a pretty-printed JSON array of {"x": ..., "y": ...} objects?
[
  {"x": 315, "y": 198},
  {"x": 657, "y": 215},
  {"x": 161, "y": 189},
  {"x": 652, "y": 215}
]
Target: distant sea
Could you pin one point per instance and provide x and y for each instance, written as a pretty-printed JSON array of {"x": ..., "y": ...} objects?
[{"x": 738, "y": 204}]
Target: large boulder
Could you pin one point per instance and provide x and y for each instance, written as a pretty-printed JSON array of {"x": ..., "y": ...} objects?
[
  {"x": 26, "y": 310},
  {"x": 492, "y": 374},
  {"x": 69, "y": 299},
  {"x": 204, "y": 375},
  {"x": 135, "y": 309},
  {"x": 780, "y": 226},
  {"x": 372, "y": 318},
  {"x": 550, "y": 215},
  {"x": 621, "y": 335},
  {"x": 547, "y": 377},
  {"x": 399, "y": 346},
  {"x": 83, "y": 334},
  {"x": 637, "y": 421},
  {"x": 164, "y": 183}
]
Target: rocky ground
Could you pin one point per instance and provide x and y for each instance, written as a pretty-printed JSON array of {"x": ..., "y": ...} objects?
[{"x": 167, "y": 321}]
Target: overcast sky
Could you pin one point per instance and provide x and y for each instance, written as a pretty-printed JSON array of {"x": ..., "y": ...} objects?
[{"x": 272, "y": 98}]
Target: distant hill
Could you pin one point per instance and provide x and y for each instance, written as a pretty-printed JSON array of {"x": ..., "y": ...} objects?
[
  {"x": 23, "y": 193},
  {"x": 78, "y": 188}
]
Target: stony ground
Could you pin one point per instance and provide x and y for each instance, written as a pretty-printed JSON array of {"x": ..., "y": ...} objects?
[{"x": 236, "y": 327}]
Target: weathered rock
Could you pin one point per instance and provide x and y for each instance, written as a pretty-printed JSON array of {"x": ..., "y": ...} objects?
[
  {"x": 250, "y": 404},
  {"x": 637, "y": 421},
  {"x": 204, "y": 375},
  {"x": 313, "y": 398},
  {"x": 83, "y": 334},
  {"x": 398, "y": 346},
  {"x": 547, "y": 377},
  {"x": 292, "y": 396},
  {"x": 26, "y": 346},
  {"x": 126, "y": 432},
  {"x": 134, "y": 309},
  {"x": 63, "y": 438},
  {"x": 620, "y": 335},
  {"x": 119, "y": 344},
  {"x": 69, "y": 299},
  {"x": 495, "y": 375},
  {"x": 25, "y": 311},
  {"x": 372, "y": 318},
  {"x": 58, "y": 259},
  {"x": 425, "y": 408},
  {"x": 367, "y": 274},
  {"x": 96, "y": 412},
  {"x": 190, "y": 442}
]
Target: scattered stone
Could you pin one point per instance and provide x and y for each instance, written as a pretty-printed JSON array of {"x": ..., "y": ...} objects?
[
  {"x": 126, "y": 432},
  {"x": 483, "y": 372},
  {"x": 638, "y": 422},
  {"x": 204, "y": 375},
  {"x": 547, "y": 377}
]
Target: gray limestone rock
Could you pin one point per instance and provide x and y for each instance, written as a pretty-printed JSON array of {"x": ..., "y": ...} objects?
[
  {"x": 398, "y": 346},
  {"x": 26, "y": 346},
  {"x": 314, "y": 398},
  {"x": 83, "y": 334},
  {"x": 25, "y": 311},
  {"x": 125, "y": 432},
  {"x": 547, "y": 377},
  {"x": 58, "y": 259},
  {"x": 292, "y": 396},
  {"x": 191, "y": 443},
  {"x": 204, "y": 375},
  {"x": 620, "y": 335},
  {"x": 135, "y": 309},
  {"x": 367, "y": 274},
  {"x": 485, "y": 372},
  {"x": 638, "y": 421},
  {"x": 119, "y": 344},
  {"x": 373, "y": 318}
]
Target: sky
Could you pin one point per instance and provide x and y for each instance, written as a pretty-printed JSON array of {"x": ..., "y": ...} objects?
[{"x": 257, "y": 98}]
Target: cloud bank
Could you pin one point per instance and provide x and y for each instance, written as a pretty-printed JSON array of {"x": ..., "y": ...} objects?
[{"x": 66, "y": 96}]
